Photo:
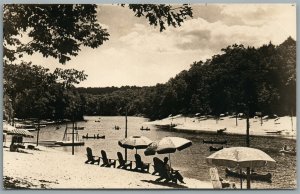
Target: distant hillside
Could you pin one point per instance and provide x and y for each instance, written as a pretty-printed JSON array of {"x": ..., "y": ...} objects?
[{"x": 241, "y": 79}]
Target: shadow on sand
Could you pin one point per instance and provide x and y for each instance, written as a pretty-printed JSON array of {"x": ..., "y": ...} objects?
[{"x": 172, "y": 185}]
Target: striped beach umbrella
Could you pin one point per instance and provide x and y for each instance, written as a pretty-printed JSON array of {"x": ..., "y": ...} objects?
[{"x": 11, "y": 130}]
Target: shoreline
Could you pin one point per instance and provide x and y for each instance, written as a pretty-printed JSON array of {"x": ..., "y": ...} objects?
[
  {"x": 53, "y": 169},
  {"x": 281, "y": 128}
]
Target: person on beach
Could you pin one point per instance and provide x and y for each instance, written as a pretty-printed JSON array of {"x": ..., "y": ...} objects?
[
  {"x": 169, "y": 173},
  {"x": 13, "y": 147}
]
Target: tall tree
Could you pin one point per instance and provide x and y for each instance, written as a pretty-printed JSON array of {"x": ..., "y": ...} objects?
[{"x": 59, "y": 30}]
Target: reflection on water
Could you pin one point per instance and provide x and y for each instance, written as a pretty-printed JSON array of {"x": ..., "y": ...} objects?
[{"x": 191, "y": 161}]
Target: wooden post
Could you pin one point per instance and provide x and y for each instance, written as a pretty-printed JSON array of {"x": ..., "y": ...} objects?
[
  {"x": 248, "y": 145},
  {"x": 126, "y": 131},
  {"x": 38, "y": 133},
  {"x": 241, "y": 179},
  {"x": 292, "y": 119},
  {"x": 248, "y": 178},
  {"x": 73, "y": 131},
  {"x": 247, "y": 132}
]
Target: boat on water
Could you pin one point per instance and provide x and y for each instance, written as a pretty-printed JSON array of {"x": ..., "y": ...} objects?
[
  {"x": 70, "y": 143},
  {"x": 145, "y": 129},
  {"x": 290, "y": 152},
  {"x": 274, "y": 132},
  {"x": 166, "y": 126},
  {"x": 212, "y": 148},
  {"x": 215, "y": 141},
  {"x": 220, "y": 131},
  {"x": 253, "y": 176},
  {"x": 79, "y": 128},
  {"x": 93, "y": 137}
]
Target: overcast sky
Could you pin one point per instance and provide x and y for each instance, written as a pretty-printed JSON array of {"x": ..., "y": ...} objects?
[{"x": 138, "y": 54}]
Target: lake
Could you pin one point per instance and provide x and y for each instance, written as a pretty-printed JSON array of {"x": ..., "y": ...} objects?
[{"x": 191, "y": 161}]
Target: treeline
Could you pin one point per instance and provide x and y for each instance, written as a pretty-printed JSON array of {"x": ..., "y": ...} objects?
[
  {"x": 32, "y": 91},
  {"x": 241, "y": 79},
  {"x": 104, "y": 90}
]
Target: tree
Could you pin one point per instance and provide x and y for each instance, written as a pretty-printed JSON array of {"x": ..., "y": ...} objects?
[
  {"x": 60, "y": 30},
  {"x": 159, "y": 15},
  {"x": 35, "y": 92}
]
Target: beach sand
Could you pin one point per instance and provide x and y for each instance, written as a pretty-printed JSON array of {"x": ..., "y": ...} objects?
[
  {"x": 267, "y": 128},
  {"x": 53, "y": 169}
]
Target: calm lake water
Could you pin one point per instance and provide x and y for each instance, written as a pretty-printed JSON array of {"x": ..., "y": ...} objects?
[{"x": 191, "y": 161}]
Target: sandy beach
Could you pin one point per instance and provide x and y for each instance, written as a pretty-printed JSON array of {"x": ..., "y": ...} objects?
[
  {"x": 268, "y": 127},
  {"x": 53, "y": 169}
]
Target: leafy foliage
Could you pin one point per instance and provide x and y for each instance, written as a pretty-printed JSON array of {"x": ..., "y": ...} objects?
[
  {"x": 161, "y": 14},
  {"x": 34, "y": 92},
  {"x": 59, "y": 30},
  {"x": 53, "y": 30}
]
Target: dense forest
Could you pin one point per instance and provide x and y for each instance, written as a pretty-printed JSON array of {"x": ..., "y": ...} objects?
[{"x": 240, "y": 79}]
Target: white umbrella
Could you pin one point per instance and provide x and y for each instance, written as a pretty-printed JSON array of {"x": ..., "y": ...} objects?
[
  {"x": 241, "y": 157},
  {"x": 135, "y": 142},
  {"x": 168, "y": 145}
]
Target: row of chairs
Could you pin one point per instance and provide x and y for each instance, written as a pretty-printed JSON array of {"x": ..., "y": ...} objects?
[{"x": 106, "y": 162}]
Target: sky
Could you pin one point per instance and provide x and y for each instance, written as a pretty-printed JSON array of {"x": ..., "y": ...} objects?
[{"x": 139, "y": 54}]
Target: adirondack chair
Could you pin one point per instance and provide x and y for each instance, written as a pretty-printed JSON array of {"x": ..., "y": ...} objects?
[
  {"x": 123, "y": 163},
  {"x": 166, "y": 172},
  {"x": 140, "y": 164},
  {"x": 219, "y": 183},
  {"x": 107, "y": 162},
  {"x": 91, "y": 159},
  {"x": 157, "y": 165}
]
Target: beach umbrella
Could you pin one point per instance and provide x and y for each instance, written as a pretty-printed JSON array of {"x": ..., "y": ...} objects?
[
  {"x": 168, "y": 145},
  {"x": 11, "y": 130},
  {"x": 241, "y": 157},
  {"x": 135, "y": 142}
]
